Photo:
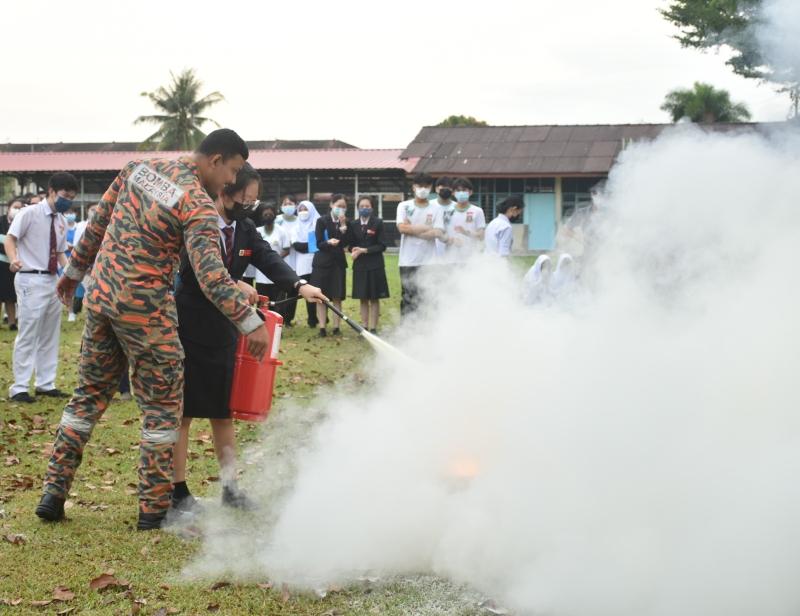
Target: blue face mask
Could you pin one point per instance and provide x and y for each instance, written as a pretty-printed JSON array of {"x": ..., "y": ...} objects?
[
  {"x": 337, "y": 212},
  {"x": 63, "y": 204},
  {"x": 462, "y": 196},
  {"x": 288, "y": 210},
  {"x": 70, "y": 217},
  {"x": 365, "y": 212}
]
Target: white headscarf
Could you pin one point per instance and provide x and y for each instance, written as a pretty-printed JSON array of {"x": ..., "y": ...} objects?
[
  {"x": 534, "y": 283},
  {"x": 304, "y": 227},
  {"x": 564, "y": 275}
]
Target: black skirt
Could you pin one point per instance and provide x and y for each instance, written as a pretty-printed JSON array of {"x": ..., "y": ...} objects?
[
  {"x": 7, "y": 292},
  {"x": 208, "y": 375},
  {"x": 370, "y": 284},
  {"x": 332, "y": 280}
]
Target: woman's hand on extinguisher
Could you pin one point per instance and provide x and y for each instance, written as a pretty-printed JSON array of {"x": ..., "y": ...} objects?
[
  {"x": 258, "y": 342},
  {"x": 252, "y": 294},
  {"x": 312, "y": 294}
]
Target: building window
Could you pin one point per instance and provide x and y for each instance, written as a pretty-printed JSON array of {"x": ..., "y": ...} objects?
[{"x": 576, "y": 195}]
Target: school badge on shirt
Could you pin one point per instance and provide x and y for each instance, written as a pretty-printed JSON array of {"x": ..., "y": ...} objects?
[
  {"x": 245, "y": 253},
  {"x": 470, "y": 216},
  {"x": 429, "y": 219}
]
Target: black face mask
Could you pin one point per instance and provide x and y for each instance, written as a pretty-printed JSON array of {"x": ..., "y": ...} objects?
[
  {"x": 268, "y": 219},
  {"x": 239, "y": 212},
  {"x": 445, "y": 193}
]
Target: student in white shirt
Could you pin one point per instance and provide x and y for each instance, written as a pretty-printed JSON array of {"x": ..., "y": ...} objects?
[
  {"x": 420, "y": 223},
  {"x": 35, "y": 245},
  {"x": 536, "y": 284},
  {"x": 307, "y": 215},
  {"x": 276, "y": 237},
  {"x": 444, "y": 192},
  {"x": 466, "y": 225},
  {"x": 499, "y": 236},
  {"x": 287, "y": 220}
]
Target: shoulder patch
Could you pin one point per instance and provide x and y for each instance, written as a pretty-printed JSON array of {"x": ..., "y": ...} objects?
[{"x": 156, "y": 186}]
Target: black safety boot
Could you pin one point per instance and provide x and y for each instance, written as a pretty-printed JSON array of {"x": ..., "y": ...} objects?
[{"x": 50, "y": 508}]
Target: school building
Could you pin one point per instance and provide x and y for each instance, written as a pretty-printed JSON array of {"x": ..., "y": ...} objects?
[{"x": 554, "y": 168}]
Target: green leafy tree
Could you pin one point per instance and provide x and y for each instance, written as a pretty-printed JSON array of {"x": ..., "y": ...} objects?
[
  {"x": 705, "y": 104},
  {"x": 460, "y": 120},
  {"x": 181, "y": 113},
  {"x": 733, "y": 24}
]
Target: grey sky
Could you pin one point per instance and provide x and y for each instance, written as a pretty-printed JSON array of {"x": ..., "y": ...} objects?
[{"x": 370, "y": 73}]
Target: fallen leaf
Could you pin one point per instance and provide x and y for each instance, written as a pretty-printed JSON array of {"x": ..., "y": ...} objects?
[
  {"x": 130, "y": 421},
  {"x": 12, "y": 460},
  {"x": 69, "y": 504},
  {"x": 111, "y": 451},
  {"x": 164, "y": 586},
  {"x": 265, "y": 586},
  {"x": 144, "y": 551},
  {"x": 218, "y": 585},
  {"x": 41, "y": 603},
  {"x": 38, "y": 420},
  {"x": 62, "y": 593},
  {"x": 173, "y": 610},
  {"x": 213, "y": 607},
  {"x": 67, "y": 610},
  {"x": 15, "y": 539},
  {"x": 103, "y": 581},
  {"x": 21, "y": 483}
]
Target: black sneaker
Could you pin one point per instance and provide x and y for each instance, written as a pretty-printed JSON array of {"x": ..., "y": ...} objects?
[
  {"x": 13, "y": 327},
  {"x": 150, "y": 521},
  {"x": 52, "y": 393},
  {"x": 374, "y": 332},
  {"x": 337, "y": 331},
  {"x": 323, "y": 333},
  {"x": 50, "y": 508},
  {"x": 232, "y": 497},
  {"x": 187, "y": 504},
  {"x": 23, "y": 396}
]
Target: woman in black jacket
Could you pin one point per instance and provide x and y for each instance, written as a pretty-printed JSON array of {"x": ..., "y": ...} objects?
[
  {"x": 329, "y": 268},
  {"x": 369, "y": 272}
]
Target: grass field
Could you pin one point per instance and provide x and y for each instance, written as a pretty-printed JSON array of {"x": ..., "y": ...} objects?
[{"x": 99, "y": 535}]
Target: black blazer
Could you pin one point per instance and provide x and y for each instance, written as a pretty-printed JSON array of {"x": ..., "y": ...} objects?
[
  {"x": 328, "y": 255},
  {"x": 371, "y": 238},
  {"x": 198, "y": 319}
]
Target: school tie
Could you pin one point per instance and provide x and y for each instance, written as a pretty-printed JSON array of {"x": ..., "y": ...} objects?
[
  {"x": 52, "y": 264},
  {"x": 228, "y": 231}
]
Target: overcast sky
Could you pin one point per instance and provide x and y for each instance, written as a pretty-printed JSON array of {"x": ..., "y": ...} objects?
[{"x": 370, "y": 73}]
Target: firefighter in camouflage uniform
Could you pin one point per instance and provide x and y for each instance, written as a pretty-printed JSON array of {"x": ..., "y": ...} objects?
[{"x": 150, "y": 212}]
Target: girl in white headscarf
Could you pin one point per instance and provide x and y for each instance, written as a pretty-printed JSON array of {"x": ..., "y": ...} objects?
[
  {"x": 564, "y": 277},
  {"x": 537, "y": 280},
  {"x": 307, "y": 217}
]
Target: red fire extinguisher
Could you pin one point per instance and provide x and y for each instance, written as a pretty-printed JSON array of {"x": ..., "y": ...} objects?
[{"x": 254, "y": 380}]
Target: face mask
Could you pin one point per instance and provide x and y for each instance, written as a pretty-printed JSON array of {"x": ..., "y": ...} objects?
[
  {"x": 337, "y": 212},
  {"x": 70, "y": 217},
  {"x": 63, "y": 204},
  {"x": 304, "y": 215},
  {"x": 365, "y": 212},
  {"x": 445, "y": 193},
  {"x": 13, "y": 212},
  {"x": 422, "y": 193},
  {"x": 462, "y": 196},
  {"x": 238, "y": 212},
  {"x": 288, "y": 210},
  {"x": 268, "y": 219}
]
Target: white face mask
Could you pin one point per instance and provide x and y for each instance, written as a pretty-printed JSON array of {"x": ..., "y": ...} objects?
[
  {"x": 13, "y": 212},
  {"x": 303, "y": 215},
  {"x": 421, "y": 192}
]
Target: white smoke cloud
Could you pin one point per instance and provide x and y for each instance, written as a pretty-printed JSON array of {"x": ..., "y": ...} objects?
[
  {"x": 637, "y": 452},
  {"x": 777, "y": 34}
]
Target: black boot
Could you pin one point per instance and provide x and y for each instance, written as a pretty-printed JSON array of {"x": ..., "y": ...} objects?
[
  {"x": 150, "y": 521},
  {"x": 235, "y": 498},
  {"x": 50, "y": 508}
]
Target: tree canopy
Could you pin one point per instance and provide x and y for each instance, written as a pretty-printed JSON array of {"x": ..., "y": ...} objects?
[
  {"x": 705, "y": 104},
  {"x": 181, "y": 119},
  {"x": 460, "y": 120}
]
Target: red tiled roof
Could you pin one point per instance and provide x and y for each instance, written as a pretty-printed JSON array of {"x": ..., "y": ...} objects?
[{"x": 263, "y": 160}]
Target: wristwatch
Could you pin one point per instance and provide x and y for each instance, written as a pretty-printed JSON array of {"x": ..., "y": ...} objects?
[{"x": 300, "y": 283}]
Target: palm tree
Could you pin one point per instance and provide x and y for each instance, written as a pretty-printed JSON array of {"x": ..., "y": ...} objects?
[
  {"x": 705, "y": 104},
  {"x": 181, "y": 119}
]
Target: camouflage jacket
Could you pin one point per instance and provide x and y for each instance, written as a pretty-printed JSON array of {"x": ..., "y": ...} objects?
[{"x": 152, "y": 209}]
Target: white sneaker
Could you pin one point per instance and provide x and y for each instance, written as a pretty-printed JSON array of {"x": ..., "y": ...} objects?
[{"x": 71, "y": 317}]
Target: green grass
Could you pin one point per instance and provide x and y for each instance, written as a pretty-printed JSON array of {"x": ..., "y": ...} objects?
[{"x": 99, "y": 534}]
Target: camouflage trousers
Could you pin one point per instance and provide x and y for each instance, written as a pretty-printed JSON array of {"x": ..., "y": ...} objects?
[{"x": 155, "y": 355}]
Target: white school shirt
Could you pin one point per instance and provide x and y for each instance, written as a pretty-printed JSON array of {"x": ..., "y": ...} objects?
[
  {"x": 499, "y": 236},
  {"x": 278, "y": 241},
  {"x": 288, "y": 227},
  {"x": 447, "y": 211},
  {"x": 31, "y": 227},
  {"x": 472, "y": 220},
  {"x": 303, "y": 260},
  {"x": 416, "y": 251}
]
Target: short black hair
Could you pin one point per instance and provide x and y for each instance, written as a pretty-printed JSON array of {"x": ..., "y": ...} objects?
[
  {"x": 509, "y": 202},
  {"x": 369, "y": 198},
  {"x": 246, "y": 175},
  {"x": 269, "y": 206},
  {"x": 422, "y": 179},
  {"x": 63, "y": 181},
  {"x": 223, "y": 141},
  {"x": 290, "y": 197},
  {"x": 444, "y": 181},
  {"x": 337, "y": 197},
  {"x": 462, "y": 183},
  {"x": 13, "y": 200}
]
